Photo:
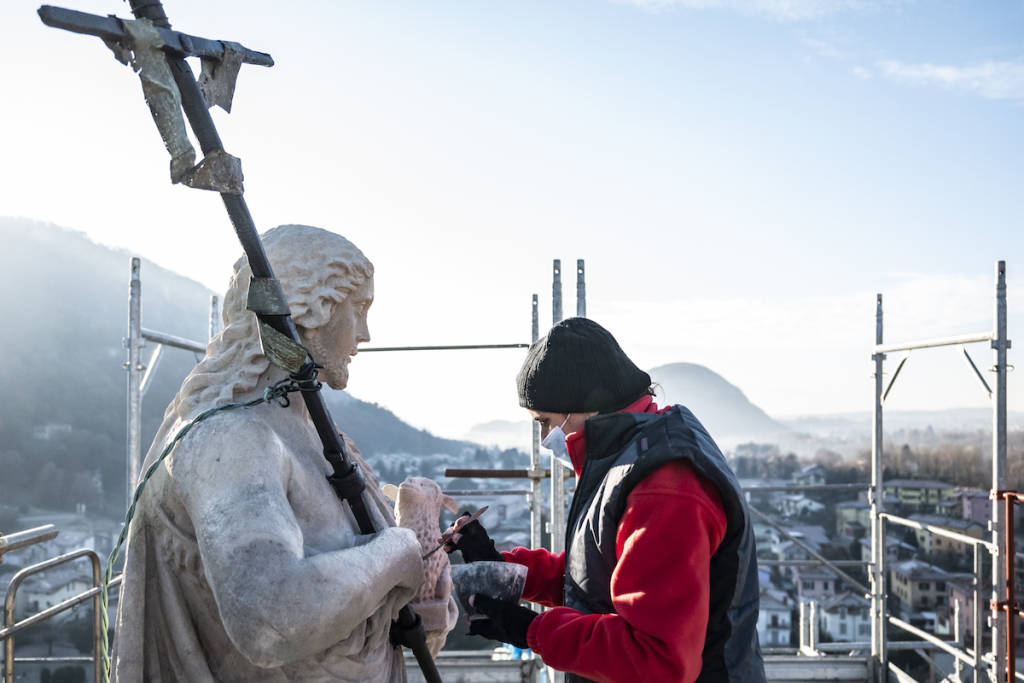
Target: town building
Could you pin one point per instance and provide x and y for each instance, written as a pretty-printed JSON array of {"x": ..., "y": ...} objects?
[
  {"x": 895, "y": 549},
  {"x": 815, "y": 584},
  {"x": 921, "y": 495},
  {"x": 812, "y": 475},
  {"x": 798, "y": 505},
  {"x": 853, "y": 519},
  {"x": 846, "y": 617},
  {"x": 920, "y": 587},
  {"x": 775, "y": 619},
  {"x": 934, "y": 544}
]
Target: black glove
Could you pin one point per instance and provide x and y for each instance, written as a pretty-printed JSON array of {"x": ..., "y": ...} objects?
[
  {"x": 475, "y": 544},
  {"x": 506, "y": 622}
]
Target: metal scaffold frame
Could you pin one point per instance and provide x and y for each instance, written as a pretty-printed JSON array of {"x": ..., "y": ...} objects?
[
  {"x": 820, "y": 657},
  {"x": 141, "y": 374},
  {"x": 996, "y": 662}
]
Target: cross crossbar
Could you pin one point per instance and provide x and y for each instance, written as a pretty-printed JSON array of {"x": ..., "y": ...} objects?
[{"x": 110, "y": 29}]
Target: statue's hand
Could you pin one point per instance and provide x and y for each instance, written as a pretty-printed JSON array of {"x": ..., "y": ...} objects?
[
  {"x": 471, "y": 539},
  {"x": 407, "y": 554}
]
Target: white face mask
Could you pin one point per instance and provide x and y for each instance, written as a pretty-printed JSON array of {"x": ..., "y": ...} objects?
[{"x": 555, "y": 440}]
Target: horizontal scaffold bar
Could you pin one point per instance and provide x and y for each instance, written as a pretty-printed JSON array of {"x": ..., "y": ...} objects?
[
  {"x": 21, "y": 539},
  {"x": 489, "y": 492},
  {"x": 174, "y": 341},
  {"x": 810, "y": 487},
  {"x": 950, "y": 648},
  {"x": 456, "y": 347},
  {"x": 937, "y": 530},
  {"x": 937, "y": 341},
  {"x": 500, "y": 474}
]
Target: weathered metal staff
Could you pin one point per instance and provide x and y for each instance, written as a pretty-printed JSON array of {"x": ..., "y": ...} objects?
[{"x": 158, "y": 54}]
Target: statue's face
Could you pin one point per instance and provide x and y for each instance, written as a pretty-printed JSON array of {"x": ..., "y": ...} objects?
[{"x": 334, "y": 343}]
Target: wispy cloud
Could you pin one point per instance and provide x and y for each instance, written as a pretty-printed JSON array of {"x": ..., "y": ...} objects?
[
  {"x": 824, "y": 48},
  {"x": 811, "y": 353},
  {"x": 861, "y": 73},
  {"x": 995, "y": 80},
  {"x": 786, "y": 10}
]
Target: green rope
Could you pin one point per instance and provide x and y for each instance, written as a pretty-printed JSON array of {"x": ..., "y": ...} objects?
[{"x": 278, "y": 391}]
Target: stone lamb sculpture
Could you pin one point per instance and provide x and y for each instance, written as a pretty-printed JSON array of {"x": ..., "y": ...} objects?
[
  {"x": 418, "y": 503},
  {"x": 242, "y": 564}
]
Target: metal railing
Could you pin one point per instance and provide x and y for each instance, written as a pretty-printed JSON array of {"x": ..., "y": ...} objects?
[{"x": 11, "y": 627}]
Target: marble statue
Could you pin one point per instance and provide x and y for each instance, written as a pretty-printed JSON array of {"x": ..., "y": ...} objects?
[
  {"x": 418, "y": 503},
  {"x": 242, "y": 564}
]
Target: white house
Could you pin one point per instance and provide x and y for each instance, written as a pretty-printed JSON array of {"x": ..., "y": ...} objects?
[
  {"x": 797, "y": 504},
  {"x": 812, "y": 475},
  {"x": 774, "y": 619},
  {"x": 845, "y": 617}
]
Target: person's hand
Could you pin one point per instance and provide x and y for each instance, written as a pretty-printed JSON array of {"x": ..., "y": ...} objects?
[
  {"x": 506, "y": 622},
  {"x": 471, "y": 539}
]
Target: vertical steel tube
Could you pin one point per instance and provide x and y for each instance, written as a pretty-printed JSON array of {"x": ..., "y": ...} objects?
[
  {"x": 812, "y": 633},
  {"x": 999, "y": 578},
  {"x": 556, "y": 292},
  {"x": 134, "y": 342},
  {"x": 214, "y": 316},
  {"x": 557, "y": 480},
  {"x": 536, "y": 485},
  {"x": 803, "y": 625},
  {"x": 557, "y": 476},
  {"x": 9, "y": 641},
  {"x": 97, "y": 581},
  {"x": 878, "y": 614},
  {"x": 581, "y": 290}
]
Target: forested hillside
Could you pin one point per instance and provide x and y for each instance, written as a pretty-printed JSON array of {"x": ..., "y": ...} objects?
[{"x": 62, "y": 426}]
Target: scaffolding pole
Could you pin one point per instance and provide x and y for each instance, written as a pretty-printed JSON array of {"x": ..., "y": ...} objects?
[
  {"x": 214, "y": 316},
  {"x": 876, "y": 498},
  {"x": 999, "y": 578},
  {"x": 581, "y": 290},
  {"x": 536, "y": 478},
  {"x": 140, "y": 375},
  {"x": 133, "y": 344},
  {"x": 557, "y": 474}
]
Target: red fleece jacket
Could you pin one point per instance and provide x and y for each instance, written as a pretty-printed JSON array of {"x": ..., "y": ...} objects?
[{"x": 673, "y": 522}]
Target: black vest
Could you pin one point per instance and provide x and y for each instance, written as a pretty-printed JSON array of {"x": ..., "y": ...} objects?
[{"x": 622, "y": 449}]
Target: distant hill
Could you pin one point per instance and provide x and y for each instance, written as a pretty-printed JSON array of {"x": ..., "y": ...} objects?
[
  {"x": 502, "y": 433},
  {"x": 721, "y": 406},
  {"x": 859, "y": 423},
  {"x": 62, "y": 427}
]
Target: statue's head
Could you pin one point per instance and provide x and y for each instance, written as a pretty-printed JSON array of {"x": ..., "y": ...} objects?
[{"x": 329, "y": 286}]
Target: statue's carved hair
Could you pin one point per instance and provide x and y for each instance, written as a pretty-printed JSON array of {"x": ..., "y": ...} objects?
[{"x": 317, "y": 269}]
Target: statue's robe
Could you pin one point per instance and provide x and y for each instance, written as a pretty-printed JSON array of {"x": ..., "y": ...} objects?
[{"x": 243, "y": 565}]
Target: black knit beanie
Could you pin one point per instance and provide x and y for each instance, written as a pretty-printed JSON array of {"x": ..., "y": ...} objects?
[{"x": 578, "y": 367}]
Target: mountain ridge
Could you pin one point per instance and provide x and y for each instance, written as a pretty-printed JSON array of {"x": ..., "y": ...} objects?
[{"x": 63, "y": 440}]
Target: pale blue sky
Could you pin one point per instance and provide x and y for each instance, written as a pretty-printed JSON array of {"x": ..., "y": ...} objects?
[{"x": 741, "y": 176}]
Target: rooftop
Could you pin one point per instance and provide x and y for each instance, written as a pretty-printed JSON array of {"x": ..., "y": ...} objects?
[
  {"x": 947, "y": 522},
  {"x": 917, "y": 569},
  {"x": 916, "y": 484}
]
